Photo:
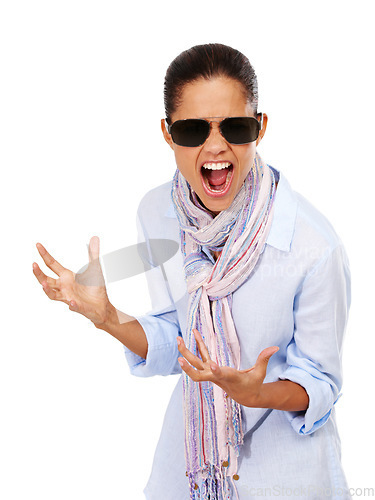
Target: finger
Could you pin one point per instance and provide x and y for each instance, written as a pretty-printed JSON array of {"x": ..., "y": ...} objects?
[
  {"x": 49, "y": 260},
  {"x": 40, "y": 276},
  {"x": 51, "y": 294},
  {"x": 196, "y": 375},
  {"x": 54, "y": 294},
  {"x": 73, "y": 306},
  {"x": 216, "y": 369},
  {"x": 224, "y": 375},
  {"x": 201, "y": 346},
  {"x": 193, "y": 360}
]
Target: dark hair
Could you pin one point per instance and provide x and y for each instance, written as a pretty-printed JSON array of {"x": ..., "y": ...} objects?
[{"x": 207, "y": 61}]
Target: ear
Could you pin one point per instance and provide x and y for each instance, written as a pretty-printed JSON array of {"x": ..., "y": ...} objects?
[
  {"x": 166, "y": 134},
  {"x": 264, "y": 126}
]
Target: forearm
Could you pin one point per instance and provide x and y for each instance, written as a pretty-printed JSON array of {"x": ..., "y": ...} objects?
[
  {"x": 126, "y": 329},
  {"x": 283, "y": 395}
]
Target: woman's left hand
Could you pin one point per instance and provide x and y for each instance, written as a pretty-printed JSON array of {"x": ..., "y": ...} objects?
[{"x": 244, "y": 386}]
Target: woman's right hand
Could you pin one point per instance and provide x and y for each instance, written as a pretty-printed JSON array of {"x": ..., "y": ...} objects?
[{"x": 84, "y": 293}]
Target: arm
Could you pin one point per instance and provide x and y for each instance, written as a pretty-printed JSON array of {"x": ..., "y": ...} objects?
[
  {"x": 126, "y": 329},
  {"x": 149, "y": 341},
  {"x": 160, "y": 325},
  {"x": 313, "y": 357},
  {"x": 283, "y": 395},
  {"x": 309, "y": 386},
  {"x": 246, "y": 387}
]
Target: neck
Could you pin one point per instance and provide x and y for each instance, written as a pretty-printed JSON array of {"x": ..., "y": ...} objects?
[
  {"x": 216, "y": 254},
  {"x": 214, "y": 214}
]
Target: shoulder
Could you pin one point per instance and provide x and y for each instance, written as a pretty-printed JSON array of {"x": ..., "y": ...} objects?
[
  {"x": 312, "y": 227},
  {"x": 300, "y": 229},
  {"x": 156, "y": 213},
  {"x": 157, "y": 202},
  {"x": 316, "y": 246},
  {"x": 158, "y": 198}
]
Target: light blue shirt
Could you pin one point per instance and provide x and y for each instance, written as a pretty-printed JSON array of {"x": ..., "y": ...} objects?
[{"x": 297, "y": 298}]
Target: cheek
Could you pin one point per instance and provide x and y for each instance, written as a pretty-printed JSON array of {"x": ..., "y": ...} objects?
[
  {"x": 186, "y": 160},
  {"x": 245, "y": 158}
]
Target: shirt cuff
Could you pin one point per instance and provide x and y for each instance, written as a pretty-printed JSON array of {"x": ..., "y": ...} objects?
[
  {"x": 321, "y": 401},
  {"x": 162, "y": 353}
]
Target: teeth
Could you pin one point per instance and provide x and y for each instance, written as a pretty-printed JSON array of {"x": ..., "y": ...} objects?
[{"x": 217, "y": 166}]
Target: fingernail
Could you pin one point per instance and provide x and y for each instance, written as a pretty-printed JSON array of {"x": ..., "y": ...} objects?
[{"x": 181, "y": 363}]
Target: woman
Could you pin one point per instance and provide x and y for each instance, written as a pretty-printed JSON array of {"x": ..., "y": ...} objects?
[{"x": 251, "y": 311}]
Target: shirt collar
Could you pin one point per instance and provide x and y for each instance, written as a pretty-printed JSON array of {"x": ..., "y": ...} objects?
[{"x": 284, "y": 216}]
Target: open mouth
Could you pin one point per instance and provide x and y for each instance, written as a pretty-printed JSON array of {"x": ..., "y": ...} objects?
[{"x": 217, "y": 177}]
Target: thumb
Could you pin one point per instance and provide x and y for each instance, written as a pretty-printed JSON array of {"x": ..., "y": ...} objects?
[
  {"x": 263, "y": 359},
  {"x": 94, "y": 248}
]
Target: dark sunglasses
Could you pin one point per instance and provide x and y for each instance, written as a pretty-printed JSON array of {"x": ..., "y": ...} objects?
[{"x": 194, "y": 132}]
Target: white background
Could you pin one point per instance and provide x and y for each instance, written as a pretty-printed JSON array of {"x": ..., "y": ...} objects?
[{"x": 81, "y": 101}]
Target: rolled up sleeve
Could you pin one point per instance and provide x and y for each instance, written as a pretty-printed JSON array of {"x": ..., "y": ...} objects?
[
  {"x": 313, "y": 358},
  {"x": 161, "y": 330}
]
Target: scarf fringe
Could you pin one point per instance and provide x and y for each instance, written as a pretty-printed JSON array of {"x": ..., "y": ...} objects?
[{"x": 213, "y": 486}]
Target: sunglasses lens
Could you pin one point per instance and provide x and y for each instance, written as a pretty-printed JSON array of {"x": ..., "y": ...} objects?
[
  {"x": 240, "y": 130},
  {"x": 190, "y": 133}
]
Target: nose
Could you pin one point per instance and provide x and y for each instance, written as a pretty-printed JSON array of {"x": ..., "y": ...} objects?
[{"x": 215, "y": 142}]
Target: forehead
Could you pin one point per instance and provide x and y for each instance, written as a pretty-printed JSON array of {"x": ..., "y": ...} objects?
[{"x": 219, "y": 96}]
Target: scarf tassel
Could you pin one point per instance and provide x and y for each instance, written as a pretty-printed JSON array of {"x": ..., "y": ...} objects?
[{"x": 214, "y": 486}]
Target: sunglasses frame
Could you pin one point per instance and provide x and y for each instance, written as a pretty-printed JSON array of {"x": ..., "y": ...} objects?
[{"x": 219, "y": 120}]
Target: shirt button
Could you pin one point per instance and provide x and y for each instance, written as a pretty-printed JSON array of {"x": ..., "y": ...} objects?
[
  {"x": 196, "y": 486},
  {"x": 225, "y": 464},
  {"x": 236, "y": 477}
]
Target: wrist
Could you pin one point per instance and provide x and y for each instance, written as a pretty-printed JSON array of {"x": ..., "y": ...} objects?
[
  {"x": 108, "y": 317},
  {"x": 261, "y": 399},
  {"x": 250, "y": 399}
]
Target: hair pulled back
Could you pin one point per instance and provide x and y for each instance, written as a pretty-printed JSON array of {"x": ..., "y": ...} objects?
[{"x": 208, "y": 61}]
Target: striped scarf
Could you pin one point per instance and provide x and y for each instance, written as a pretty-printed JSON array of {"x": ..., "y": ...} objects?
[{"x": 213, "y": 428}]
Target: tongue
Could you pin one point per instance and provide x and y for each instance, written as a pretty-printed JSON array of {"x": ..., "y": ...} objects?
[{"x": 217, "y": 177}]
